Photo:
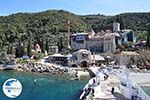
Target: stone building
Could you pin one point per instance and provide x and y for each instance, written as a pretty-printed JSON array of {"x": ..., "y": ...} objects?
[
  {"x": 80, "y": 58},
  {"x": 96, "y": 44},
  {"x": 79, "y": 41},
  {"x": 104, "y": 42}
]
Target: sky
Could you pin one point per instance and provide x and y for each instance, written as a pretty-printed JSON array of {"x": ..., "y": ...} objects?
[{"x": 80, "y": 7}]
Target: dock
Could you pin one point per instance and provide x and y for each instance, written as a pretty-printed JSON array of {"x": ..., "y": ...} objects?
[{"x": 100, "y": 88}]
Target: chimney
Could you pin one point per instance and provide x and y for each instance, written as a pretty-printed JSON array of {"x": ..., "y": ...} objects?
[{"x": 116, "y": 27}]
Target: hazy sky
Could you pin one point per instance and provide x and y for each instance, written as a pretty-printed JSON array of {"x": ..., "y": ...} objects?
[{"x": 82, "y": 7}]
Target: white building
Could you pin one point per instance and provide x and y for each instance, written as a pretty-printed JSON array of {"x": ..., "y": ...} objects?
[{"x": 58, "y": 59}]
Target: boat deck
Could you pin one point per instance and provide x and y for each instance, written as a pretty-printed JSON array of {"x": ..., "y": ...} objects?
[{"x": 119, "y": 96}]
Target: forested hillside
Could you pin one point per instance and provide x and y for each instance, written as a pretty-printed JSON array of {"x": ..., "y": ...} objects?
[
  {"x": 52, "y": 24},
  {"x": 135, "y": 21},
  {"x": 49, "y": 27}
]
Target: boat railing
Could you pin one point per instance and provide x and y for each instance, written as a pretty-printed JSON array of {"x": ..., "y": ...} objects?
[{"x": 91, "y": 83}]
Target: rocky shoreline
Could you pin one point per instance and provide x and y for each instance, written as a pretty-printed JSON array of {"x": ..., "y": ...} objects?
[
  {"x": 39, "y": 68},
  {"x": 46, "y": 68}
]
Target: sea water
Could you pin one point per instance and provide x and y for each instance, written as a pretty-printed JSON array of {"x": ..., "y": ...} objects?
[
  {"x": 43, "y": 87},
  {"x": 146, "y": 89}
]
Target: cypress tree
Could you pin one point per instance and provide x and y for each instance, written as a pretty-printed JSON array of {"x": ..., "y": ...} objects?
[
  {"x": 120, "y": 20},
  {"x": 147, "y": 41},
  {"x": 60, "y": 44},
  {"x": 8, "y": 49},
  {"x": 42, "y": 44},
  {"x": 29, "y": 45},
  {"x": 148, "y": 35},
  {"x": 20, "y": 50},
  {"x": 11, "y": 49},
  {"x": 46, "y": 46}
]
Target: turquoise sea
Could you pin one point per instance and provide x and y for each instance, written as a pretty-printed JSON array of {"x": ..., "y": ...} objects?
[
  {"x": 43, "y": 87},
  {"x": 146, "y": 89}
]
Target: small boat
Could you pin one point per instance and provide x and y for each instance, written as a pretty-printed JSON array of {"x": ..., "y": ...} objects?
[
  {"x": 9, "y": 67},
  {"x": 74, "y": 78}
]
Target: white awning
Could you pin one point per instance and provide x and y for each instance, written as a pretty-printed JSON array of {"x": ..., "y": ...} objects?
[
  {"x": 57, "y": 55},
  {"x": 97, "y": 57}
]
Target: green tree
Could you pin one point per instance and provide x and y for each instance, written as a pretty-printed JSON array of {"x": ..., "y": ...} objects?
[
  {"x": 11, "y": 49},
  {"x": 29, "y": 45},
  {"x": 60, "y": 44},
  {"x": 20, "y": 51},
  {"x": 148, "y": 35},
  {"x": 8, "y": 49},
  {"x": 47, "y": 45},
  {"x": 11, "y": 40},
  {"x": 43, "y": 45},
  {"x": 120, "y": 20}
]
